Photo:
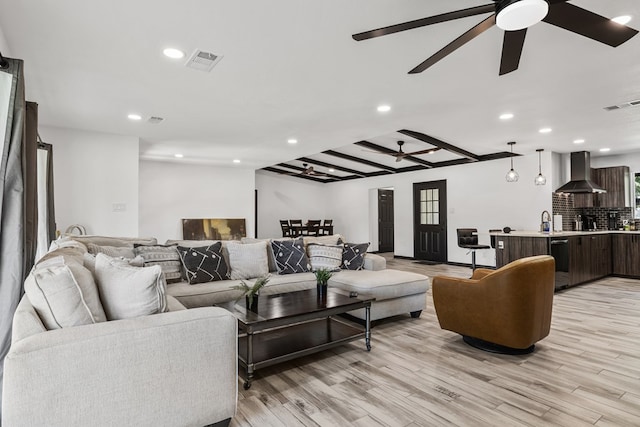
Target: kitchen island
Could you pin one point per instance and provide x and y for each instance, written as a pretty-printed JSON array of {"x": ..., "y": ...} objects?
[{"x": 581, "y": 256}]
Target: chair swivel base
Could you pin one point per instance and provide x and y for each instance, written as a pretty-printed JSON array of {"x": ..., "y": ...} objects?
[{"x": 496, "y": 348}]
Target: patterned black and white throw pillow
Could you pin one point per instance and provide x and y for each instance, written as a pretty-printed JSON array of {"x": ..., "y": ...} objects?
[
  {"x": 290, "y": 256},
  {"x": 204, "y": 264},
  {"x": 166, "y": 256},
  {"x": 353, "y": 256}
]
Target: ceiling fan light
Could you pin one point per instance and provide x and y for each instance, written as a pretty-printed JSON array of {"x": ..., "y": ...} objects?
[{"x": 513, "y": 15}]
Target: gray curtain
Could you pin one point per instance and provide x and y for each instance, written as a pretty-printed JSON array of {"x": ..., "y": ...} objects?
[{"x": 17, "y": 202}]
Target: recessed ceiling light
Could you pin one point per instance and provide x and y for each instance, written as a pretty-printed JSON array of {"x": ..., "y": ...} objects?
[
  {"x": 604, "y": 150},
  {"x": 578, "y": 141},
  {"x": 545, "y": 130},
  {"x": 236, "y": 160},
  {"x": 292, "y": 141},
  {"x": 506, "y": 116},
  {"x": 178, "y": 155},
  {"x": 173, "y": 53},
  {"x": 383, "y": 108},
  {"x": 622, "y": 20},
  {"x": 134, "y": 117}
]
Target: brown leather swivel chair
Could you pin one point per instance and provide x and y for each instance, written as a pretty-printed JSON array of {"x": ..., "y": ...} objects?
[{"x": 504, "y": 311}]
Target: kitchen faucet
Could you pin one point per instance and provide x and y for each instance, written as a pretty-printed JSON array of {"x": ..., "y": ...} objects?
[{"x": 545, "y": 221}]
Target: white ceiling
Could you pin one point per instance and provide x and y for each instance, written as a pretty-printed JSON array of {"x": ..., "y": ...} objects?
[{"x": 291, "y": 69}]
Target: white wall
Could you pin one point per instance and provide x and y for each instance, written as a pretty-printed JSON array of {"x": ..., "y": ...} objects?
[
  {"x": 478, "y": 196},
  {"x": 171, "y": 191},
  {"x": 289, "y": 198},
  {"x": 92, "y": 172}
]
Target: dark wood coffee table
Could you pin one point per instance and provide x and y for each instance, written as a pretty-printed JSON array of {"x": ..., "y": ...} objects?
[{"x": 295, "y": 324}]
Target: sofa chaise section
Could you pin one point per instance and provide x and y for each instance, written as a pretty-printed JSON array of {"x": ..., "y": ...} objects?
[{"x": 168, "y": 369}]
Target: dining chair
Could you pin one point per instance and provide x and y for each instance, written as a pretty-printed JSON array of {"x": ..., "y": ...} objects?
[
  {"x": 296, "y": 227},
  {"x": 327, "y": 227},
  {"x": 286, "y": 228},
  {"x": 313, "y": 228}
]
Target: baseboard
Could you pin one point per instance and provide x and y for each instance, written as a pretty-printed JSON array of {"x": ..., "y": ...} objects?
[{"x": 457, "y": 264}]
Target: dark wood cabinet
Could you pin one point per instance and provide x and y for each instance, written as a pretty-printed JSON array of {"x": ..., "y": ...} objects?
[
  {"x": 625, "y": 250},
  {"x": 589, "y": 258},
  {"x": 617, "y": 182},
  {"x": 516, "y": 247}
]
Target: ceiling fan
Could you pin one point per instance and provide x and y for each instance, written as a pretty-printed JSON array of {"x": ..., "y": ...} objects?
[
  {"x": 514, "y": 16},
  {"x": 307, "y": 171},
  {"x": 399, "y": 155}
]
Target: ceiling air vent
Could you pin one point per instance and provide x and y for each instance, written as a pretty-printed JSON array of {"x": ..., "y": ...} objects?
[
  {"x": 155, "y": 120},
  {"x": 203, "y": 61},
  {"x": 623, "y": 105}
]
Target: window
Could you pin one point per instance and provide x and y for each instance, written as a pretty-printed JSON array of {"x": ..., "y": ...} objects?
[{"x": 429, "y": 207}]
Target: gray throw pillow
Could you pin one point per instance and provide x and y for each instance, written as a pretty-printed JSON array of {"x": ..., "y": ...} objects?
[
  {"x": 290, "y": 256},
  {"x": 166, "y": 256},
  {"x": 128, "y": 291},
  {"x": 204, "y": 264},
  {"x": 248, "y": 260},
  {"x": 64, "y": 294},
  {"x": 353, "y": 255}
]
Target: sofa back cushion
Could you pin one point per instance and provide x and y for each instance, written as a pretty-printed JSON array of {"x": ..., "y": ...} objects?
[
  {"x": 112, "y": 251},
  {"x": 64, "y": 294},
  {"x": 248, "y": 260},
  {"x": 113, "y": 241},
  {"x": 128, "y": 291}
]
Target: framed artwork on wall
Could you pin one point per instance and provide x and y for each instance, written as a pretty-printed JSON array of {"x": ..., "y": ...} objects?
[{"x": 214, "y": 229}]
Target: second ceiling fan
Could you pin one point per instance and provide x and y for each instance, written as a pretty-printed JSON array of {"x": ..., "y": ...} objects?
[{"x": 514, "y": 16}]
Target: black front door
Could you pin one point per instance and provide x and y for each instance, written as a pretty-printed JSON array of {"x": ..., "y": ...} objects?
[
  {"x": 430, "y": 221},
  {"x": 385, "y": 220}
]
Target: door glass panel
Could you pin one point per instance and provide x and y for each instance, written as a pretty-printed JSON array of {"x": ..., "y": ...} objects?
[{"x": 429, "y": 207}]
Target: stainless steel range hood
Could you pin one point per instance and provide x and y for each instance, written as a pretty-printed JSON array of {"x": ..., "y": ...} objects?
[{"x": 581, "y": 175}]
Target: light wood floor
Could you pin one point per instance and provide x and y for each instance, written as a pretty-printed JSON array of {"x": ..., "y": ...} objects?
[{"x": 586, "y": 372}]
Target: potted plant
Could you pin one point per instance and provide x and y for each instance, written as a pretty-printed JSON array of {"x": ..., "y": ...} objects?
[
  {"x": 251, "y": 293},
  {"x": 322, "y": 277}
]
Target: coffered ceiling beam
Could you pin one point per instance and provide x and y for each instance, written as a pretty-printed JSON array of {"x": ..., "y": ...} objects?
[
  {"x": 329, "y": 165},
  {"x": 359, "y": 160},
  {"x": 436, "y": 142},
  {"x": 386, "y": 150}
]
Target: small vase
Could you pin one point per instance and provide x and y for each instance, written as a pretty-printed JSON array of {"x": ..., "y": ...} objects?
[
  {"x": 322, "y": 289},
  {"x": 253, "y": 304}
]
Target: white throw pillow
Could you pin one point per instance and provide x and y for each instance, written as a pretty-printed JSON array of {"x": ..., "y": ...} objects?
[
  {"x": 128, "y": 291},
  {"x": 249, "y": 260},
  {"x": 64, "y": 294},
  {"x": 324, "y": 257}
]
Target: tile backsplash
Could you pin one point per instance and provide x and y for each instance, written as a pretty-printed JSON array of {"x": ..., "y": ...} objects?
[{"x": 563, "y": 205}]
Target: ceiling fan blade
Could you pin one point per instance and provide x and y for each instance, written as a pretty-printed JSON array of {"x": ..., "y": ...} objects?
[
  {"x": 457, "y": 43},
  {"x": 427, "y": 151},
  {"x": 588, "y": 24},
  {"x": 463, "y": 13},
  {"x": 512, "y": 50}
]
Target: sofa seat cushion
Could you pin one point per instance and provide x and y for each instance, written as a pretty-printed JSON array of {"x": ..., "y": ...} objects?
[
  {"x": 383, "y": 284},
  {"x": 289, "y": 283},
  {"x": 204, "y": 294}
]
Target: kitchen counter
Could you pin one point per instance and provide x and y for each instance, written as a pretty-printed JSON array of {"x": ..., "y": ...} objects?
[{"x": 527, "y": 233}]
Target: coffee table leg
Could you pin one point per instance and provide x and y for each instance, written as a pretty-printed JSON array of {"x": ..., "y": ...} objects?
[
  {"x": 367, "y": 330},
  {"x": 247, "y": 382}
]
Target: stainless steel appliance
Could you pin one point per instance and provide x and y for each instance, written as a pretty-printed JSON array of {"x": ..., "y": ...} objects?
[
  {"x": 613, "y": 221},
  {"x": 589, "y": 223},
  {"x": 560, "y": 251}
]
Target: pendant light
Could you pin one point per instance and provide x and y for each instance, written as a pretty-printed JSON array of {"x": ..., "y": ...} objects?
[
  {"x": 540, "y": 179},
  {"x": 512, "y": 175}
]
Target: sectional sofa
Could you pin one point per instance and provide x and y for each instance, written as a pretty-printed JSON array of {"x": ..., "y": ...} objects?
[{"x": 98, "y": 340}]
